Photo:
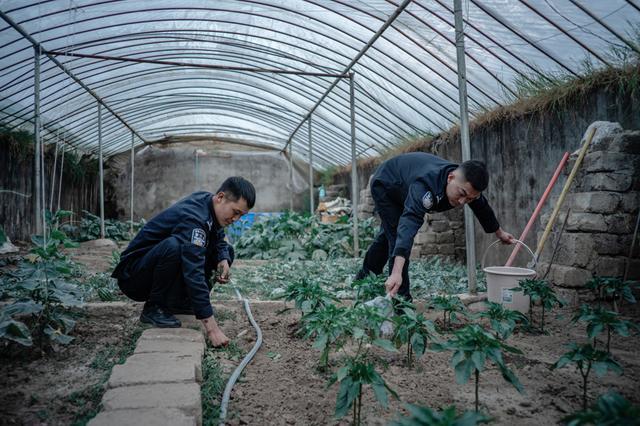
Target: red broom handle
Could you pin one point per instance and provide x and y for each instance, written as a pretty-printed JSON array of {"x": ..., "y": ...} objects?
[{"x": 536, "y": 212}]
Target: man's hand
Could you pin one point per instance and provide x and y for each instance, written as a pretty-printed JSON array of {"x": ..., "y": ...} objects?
[
  {"x": 214, "y": 333},
  {"x": 393, "y": 284},
  {"x": 223, "y": 272},
  {"x": 505, "y": 237}
]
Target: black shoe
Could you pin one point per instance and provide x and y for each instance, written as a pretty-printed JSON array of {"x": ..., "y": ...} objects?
[
  {"x": 362, "y": 273},
  {"x": 156, "y": 316}
]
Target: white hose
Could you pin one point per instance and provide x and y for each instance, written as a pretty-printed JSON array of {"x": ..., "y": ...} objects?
[{"x": 246, "y": 360}]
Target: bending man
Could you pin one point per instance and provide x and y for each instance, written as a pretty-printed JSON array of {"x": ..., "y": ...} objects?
[{"x": 406, "y": 187}]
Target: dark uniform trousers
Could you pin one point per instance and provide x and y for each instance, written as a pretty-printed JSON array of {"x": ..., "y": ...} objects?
[
  {"x": 157, "y": 276},
  {"x": 381, "y": 250}
]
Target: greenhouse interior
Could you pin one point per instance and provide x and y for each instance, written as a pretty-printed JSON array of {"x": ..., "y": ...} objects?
[{"x": 319, "y": 212}]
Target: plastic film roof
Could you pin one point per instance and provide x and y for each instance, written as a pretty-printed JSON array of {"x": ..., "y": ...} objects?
[{"x": 405, "y": 84}]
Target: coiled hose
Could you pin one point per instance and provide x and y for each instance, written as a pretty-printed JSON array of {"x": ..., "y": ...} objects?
[{"x": 245, "y": 361}]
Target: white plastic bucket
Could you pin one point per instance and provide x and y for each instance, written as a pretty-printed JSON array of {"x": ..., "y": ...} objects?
[{"x": 501, "y": 279}]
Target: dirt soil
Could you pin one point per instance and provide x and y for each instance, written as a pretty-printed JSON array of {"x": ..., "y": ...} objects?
[{"x": 283, "y": 387}]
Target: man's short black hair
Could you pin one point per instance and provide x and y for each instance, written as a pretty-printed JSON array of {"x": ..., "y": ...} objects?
[
  {"x": 238, "y": 187},
  {"x": 475, "y": 172}
]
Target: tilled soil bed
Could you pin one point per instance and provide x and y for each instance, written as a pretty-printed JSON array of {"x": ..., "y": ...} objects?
[{"x": 282, "y": 385}]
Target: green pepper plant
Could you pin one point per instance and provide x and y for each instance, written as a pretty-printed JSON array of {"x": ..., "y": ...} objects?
[
  {"x": 612, "y": 288},
  {"x": 599, "y": 319},
  {"x": 308, "y": 295},
  {"x": 451, "y": 307},
  {"x": 539, "y": 291},
  {"x": 587, "y": 358},
  {"x": 330, "y": 326},
  {"x": 472, "y": 346},
  {"x": 502, "y": 320},
  {"x": 610, "y": 409},
  {"x": 415, "y": 331}
]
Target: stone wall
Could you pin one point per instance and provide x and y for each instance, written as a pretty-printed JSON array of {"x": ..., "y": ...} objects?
[{"x": 602, "y": 209}]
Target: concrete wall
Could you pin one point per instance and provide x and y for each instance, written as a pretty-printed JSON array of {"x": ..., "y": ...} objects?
[
  {"x": 166, "y": 173},
  {"x": 522, "y": 151}
]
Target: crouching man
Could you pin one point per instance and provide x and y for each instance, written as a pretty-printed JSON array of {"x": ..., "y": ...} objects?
[{"x": 168, "y": 265}]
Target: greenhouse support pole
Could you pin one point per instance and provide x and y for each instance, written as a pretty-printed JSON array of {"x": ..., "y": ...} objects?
[
  {"x": 354, "y": 168},
  {"x": 36, "y": 134},
  {"x": 102, "y": 233},
  {"x": 466, "y": 146},
  {"x": 53, "y": 173},
  {"x": 310, "y": 167},
  {"x": 290, "y": 178},
  {"x": 133, "y": 169},
  {"x": 61, "y": 174}
]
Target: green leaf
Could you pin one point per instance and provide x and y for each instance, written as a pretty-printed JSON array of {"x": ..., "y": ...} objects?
[
  {"x": 16, "y": 331},
  {"x": 381, "y": 394},
  {"x": 22, "y": 308},
  {"x": 385, "y": 344},
  {"x": 478, "y": 359},
  {"x": 463, "y": 371}
]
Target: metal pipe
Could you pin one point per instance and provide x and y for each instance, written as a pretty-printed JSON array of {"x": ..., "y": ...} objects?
[
  {"x": 100, "y": 167},
  {"x": 345, "y": 73},
  {"x": 354, "y": 168},
  {"x": 566, "y": 33},
  {"x": 53, "y": 173},
  {"x": 61, "y": 175},
  {"x": 494, "y": 14},
  {"x": 53, "y": 59},
  {"x": 133, "y": 155},
  {"x": 37, "y": 207},
  {"x": 466, "y": 146},
  {"x": 310, "y": 167},
  {"x": 195, "y": 65},
  {"x": 290, "y": 178},
  {"x": 609, "y": 28}
]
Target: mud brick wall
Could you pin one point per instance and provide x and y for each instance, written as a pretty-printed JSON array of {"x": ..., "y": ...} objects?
[{"x": 602, "y": 209}]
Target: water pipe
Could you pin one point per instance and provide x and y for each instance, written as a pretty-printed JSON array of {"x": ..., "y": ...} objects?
[
  {"x": 565, "y": 191},
  {"x": 536, "y": 212},
  {"x": 245, "y": 361}
]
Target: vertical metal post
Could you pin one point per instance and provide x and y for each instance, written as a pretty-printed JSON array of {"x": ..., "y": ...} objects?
[
  {"x": 61, "y": 174},
  {"x": 196, "y": 172},
  {"x": 53, "y": 173},
  {"x": 466, "y": 146},
  {"x": 37, "y": 180},
  {"x": 102, "y": 233},
  {"x": 291, "y": 176},
  {"x": 311, "y": 191},
  {"x": 354, "y": 168},
  {"x": 133, "y": 169}
]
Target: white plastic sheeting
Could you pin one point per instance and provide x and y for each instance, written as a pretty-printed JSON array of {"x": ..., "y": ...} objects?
[{"x": 406, "y": 83}]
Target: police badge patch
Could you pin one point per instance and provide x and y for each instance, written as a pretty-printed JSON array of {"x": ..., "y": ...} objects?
[
  {"x": 427, "y": 200},
  {"x": 198, "y": 237}
]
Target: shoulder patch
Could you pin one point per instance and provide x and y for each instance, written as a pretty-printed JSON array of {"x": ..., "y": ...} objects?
[
  {"x": 198, "y": 237},
  {"x": 427, "y": 200}
]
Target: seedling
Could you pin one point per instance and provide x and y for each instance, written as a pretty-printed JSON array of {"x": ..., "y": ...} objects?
[
  {"x": 503, "y": 321},
  {"x": 539, "y": 291},
  {"x": 369, "y": 288},
  {"x": 46, "y": 292},
  {"x": 424, "y": 416},
  {"x": 358, "y": 371},
  {"x": 613, "y": 288},
  {"x": 586, "y": 358},
  {"x": 472, "y": 346},
  {"x": 308, "y": 295},
  {"x": 451, "y": 306},
  {"x": 414, "y": 330},
  {"x": 330, "y": 326},
  {"x": 600, "y": 319},
  {"x": 610, "y": 409}
]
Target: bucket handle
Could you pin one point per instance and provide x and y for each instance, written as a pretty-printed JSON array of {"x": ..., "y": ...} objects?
[{"x": 484, "y": 257}]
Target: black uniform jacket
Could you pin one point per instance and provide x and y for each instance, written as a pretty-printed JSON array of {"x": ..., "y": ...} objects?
[
  {"x": 193, "y": 223},
  {"x": 417, "y": 181}
]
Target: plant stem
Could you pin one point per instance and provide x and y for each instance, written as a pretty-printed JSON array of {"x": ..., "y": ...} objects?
[
  {"x": 585, "y": 376},
  {"x": 609, "y": 340},
  {"x": 477, "y": 381},
  {"x": 359, "y": 406},
  {"x": 542, "y": 325}
]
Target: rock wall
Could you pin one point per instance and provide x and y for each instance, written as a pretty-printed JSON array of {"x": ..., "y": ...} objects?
[{"x": 601, "y": 211}]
